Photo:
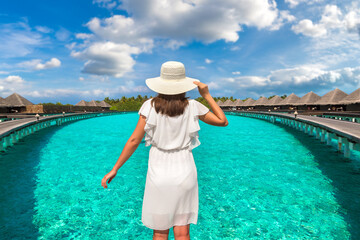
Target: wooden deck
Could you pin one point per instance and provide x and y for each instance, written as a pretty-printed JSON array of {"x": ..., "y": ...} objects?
[
  {"x": 8, "y": 127},
  {"x": 348, "y": 130}
]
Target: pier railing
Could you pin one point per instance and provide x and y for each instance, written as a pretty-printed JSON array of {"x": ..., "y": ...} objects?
[
  {"x": 347, "y": 134},
  {"x": 12, "y": 131}
]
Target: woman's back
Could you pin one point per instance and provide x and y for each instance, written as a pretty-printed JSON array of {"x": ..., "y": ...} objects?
[{"x": 169, "y": 133}]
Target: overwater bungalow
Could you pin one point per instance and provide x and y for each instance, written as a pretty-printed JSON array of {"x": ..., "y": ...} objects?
[
  {"x": 289, "y": 102},
  {"x": 3, "y": 105},
  {"x": 274, "y": 102},
  {"x": 260, "y": 103},
  {"x": 227, "y": 104},
  {"x": 219, "y": 103},
  {"x": 16, "y": 103},
  {"x": 92, "y": 103},
  {"x": 248, "y": 104},
  {"x": 307, "y": 102},
  {"x": 81, "y": 103},
  {"x": 238, "y": 104},
  {"x": 352, "y": 101},
  {"x": 331, "y": 101},
  {"x": 104, "y": 105}
]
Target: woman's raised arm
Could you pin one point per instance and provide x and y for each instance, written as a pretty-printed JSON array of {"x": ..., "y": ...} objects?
[{"x": 217, "y": 117}]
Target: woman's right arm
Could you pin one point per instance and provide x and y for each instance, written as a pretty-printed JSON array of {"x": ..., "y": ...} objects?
[{"x": 217, "y": 116}]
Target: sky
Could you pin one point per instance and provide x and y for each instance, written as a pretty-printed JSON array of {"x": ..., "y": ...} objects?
[{"x": 66, "y": 51}]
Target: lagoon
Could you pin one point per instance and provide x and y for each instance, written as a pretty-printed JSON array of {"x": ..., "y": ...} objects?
[{"x": 257, "y": 180}]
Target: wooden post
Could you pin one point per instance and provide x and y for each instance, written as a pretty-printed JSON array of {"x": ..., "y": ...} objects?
[
  {"x": 323, "y": 132},
  {"x": 340, "y": 141},
  {"x": 347, "y": 151},
  {"x": 317, "y": 130},
  {"x": 329, "y": 137},
  {"x": 2, "y": 144}
]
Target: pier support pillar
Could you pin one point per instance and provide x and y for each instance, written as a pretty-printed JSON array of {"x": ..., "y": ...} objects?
[
  {"x": 323, "y": 132},
  {"x": 347, "y": 151},
  {"x": 317, "y": 132},
  {"x": 311, "y": 130},
  {"x": 7, "y": 141},
  {"x": 340, "y": 142},
  {"x": 329, "y": 137},
  {"x": 2, "y": 144}
]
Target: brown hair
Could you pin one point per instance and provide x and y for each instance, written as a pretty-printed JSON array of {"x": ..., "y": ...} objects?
[{"x": 170, "y": 105}]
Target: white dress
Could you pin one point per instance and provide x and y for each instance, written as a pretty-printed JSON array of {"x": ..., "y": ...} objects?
[{"x": 171, "y": 189}]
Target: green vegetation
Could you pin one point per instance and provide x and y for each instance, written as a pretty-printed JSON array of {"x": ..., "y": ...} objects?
[
  {"x": 134, "y": 104},
  {"x": 55, "y": 104}
]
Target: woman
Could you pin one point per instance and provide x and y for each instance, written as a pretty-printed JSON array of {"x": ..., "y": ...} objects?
[{"x": 170, "y": 122}]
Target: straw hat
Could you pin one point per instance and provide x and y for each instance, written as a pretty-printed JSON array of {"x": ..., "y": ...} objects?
[{"x": 172, "y": 79}]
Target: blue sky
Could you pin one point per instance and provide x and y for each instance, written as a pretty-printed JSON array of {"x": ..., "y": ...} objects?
[{"x": 72, "y": 50}]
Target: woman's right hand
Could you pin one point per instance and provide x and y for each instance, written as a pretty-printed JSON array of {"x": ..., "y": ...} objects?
[
  {"x": 110, "y": 176},
  {"x": 203, "y": 88}
]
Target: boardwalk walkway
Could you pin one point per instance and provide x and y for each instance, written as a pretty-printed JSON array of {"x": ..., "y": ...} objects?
[
  {"x": 346, "y": 133},
  {"x": 12, "y": 131},
  {"x": 350, "y": 130}
]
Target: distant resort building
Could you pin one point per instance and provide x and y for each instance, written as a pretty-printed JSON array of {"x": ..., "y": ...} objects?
[
  {"x": 335, "y": 100},
  {"x": 93, "y": 103},
  {"x": 15, "y": 103}
]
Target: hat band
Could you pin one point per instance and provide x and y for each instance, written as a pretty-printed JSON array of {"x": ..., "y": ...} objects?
[{"x": 172, "y": 76}]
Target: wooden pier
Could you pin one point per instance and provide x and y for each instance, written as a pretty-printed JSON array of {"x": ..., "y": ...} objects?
[
  {"x": 14, "y": 130},
  {"x": 347, "y": 134}
]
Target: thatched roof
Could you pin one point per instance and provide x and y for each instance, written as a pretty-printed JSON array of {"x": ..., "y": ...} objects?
[
  {"x": 354, "y": 97},
  {"x": 332, "y": 98},
  {"x": 3, "y": 102},
  {"x": 104, "y": 104},
  {"x": 228, "y": 103},
  {"x": 261, "y": 101},
  {"x": 16, "y": 100},
  {"x": 219, "y": 103},
  {"x": 238, "y": 103},
  {"x": 290, "y": 100},
  {"x": 274, "y": 101},
  {"x": 308, "y": 99},
  {"x": 81, "y": 103},
  {"x": 249, "y": 102},
  {"x": 93, "y": 103}
]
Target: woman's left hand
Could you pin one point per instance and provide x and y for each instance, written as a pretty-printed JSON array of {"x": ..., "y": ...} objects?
[{"x": 110, "y": 176}]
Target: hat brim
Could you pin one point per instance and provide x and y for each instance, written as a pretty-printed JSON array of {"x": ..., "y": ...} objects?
[{"x": 170, "y": 87}]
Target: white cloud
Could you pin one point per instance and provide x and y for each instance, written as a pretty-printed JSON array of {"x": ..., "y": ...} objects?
[
  {"x": 107, "y": 58},
  {"x": 11, "y": 84},
  {"x": 301, "y": 79},
  {"x": 63, "y": 34},
  {"x": 36, "y": 64},
  {"x": 334, "y": 39},
  {"x": 208, "y": 61},
  {"x": 172, "y": 24},
  {"x": 14, "y": 79},
  {"x": 236, "y": 73},
  {"x": 307, "y": 28},
  {"x": 294, "y": 3},
  {"x": 53, "y": 63},
  {"x": 43, "y": 29},
  {"x": 109, "y": 4},
  {"x": 18, "y": 40},
  {"x": 332, "y": 21}
]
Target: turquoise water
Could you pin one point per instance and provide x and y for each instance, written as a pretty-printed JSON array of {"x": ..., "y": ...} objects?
[{"x": 256, "y": 181}]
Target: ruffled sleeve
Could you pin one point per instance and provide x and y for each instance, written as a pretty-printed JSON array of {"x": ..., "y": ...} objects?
[
  {"x": 196, "y": 109},
  {"x": 147, "y": 111}
]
